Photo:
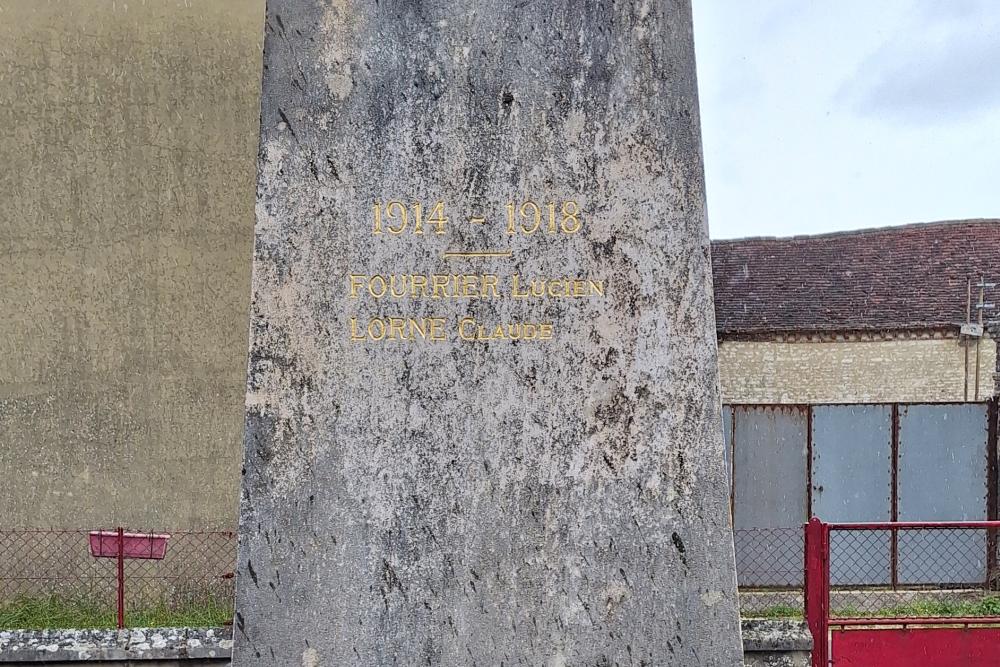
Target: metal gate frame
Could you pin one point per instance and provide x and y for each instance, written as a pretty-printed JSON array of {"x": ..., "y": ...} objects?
[{"x": 892, "y": 642}]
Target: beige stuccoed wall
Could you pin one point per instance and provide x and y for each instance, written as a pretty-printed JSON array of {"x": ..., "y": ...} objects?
[
  {"x": 128, "y": 135},
  {"x": 852, "y": 371}
]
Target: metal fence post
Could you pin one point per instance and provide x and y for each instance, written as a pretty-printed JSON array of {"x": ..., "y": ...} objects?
[
  {"x": 991, "y": 494},
  {"x": 121, "y": 578},
  {"x": 817, "y": 588}
]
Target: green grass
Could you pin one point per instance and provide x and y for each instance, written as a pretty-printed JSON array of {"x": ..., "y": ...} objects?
[
  {"x": 55, "y": 612},
  {"x": 988, "y": 605},
  {"x": 777, "y": 611}
]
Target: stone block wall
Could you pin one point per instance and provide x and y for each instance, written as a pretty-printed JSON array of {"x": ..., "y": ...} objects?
[
  {"x": 150, "y": 647},
  {"x": 776, "y": 643},
  {"x": 766, "y": 643},
  {"x": 879, "y": 370}
]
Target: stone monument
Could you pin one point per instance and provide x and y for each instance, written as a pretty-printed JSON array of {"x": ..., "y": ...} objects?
[{"x": 483, "y": 422}]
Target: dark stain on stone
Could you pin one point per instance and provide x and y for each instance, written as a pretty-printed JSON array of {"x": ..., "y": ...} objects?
[
  {"x": 252, "y": 573},
  {"x": 287, "y": 122},
  {"x": 391, "y": 582},
  {"x": 259, "y": 433},
  {"x": 241, "y": 624},
  {"x": 610, "y": 358},
  {"x": 603, "y": 249},
  {"x": 679, "y": 545},
  {"x": 614, "y": 418},
  {"x": 333, "y": 169}
]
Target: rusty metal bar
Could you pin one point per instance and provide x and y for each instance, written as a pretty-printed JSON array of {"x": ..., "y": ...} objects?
[
  {"x": 914, "y": 525},
  {"x": 121, "y": 578},
  {"x": 917, "y": 620},
  {"x": 894, "y": 500},
  {"x": 991, "y": 492},
  {"x": 817, "y": 588}
]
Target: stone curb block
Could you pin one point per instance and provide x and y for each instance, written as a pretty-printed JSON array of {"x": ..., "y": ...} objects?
[{"x": 115, "y": 645}]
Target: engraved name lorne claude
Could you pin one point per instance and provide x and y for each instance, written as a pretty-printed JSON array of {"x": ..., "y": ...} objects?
[{"x": 523, "y": 218}]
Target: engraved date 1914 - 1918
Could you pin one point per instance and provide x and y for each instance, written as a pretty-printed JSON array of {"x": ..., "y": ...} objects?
[{"x": 528, "y": 217}]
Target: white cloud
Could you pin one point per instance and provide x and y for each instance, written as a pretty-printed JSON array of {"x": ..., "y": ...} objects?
[
  {"x": 823, "y": 115},
  {"x": 943, "y": 66}
]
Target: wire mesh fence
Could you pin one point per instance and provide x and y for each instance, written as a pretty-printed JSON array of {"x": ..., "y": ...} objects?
[
  {"x": 52, "y": 578},
  {"x": 769, "y": 557},
  {"x": 72, "y": 578},
  {"x": 913, "y": 570},
  {"x": 769, "y": 571}
]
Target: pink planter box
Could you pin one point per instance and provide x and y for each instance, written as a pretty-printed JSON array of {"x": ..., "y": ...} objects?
[{"x": 104, "y": 544}]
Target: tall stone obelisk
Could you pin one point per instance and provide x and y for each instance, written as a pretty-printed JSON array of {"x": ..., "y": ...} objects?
[{"x": 483, "y": 423}]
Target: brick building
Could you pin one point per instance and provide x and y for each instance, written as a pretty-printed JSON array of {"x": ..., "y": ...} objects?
[
  {"x": 851, "y": 389},
  {"x": 856, "y": 317}
]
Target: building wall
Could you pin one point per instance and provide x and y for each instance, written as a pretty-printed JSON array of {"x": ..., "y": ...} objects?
[
  {"x": 921, "y": 370},
  {"x": 128, "y": 135}
]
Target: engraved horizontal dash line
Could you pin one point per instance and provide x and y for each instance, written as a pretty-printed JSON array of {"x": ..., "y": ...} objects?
[
  {"x": 477, "y": 221},
  {"x": 484, "y": 253}
]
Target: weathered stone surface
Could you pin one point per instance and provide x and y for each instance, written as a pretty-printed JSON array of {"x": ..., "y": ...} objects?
[
  {"x": 767, "y": 643},
  {"x": 559, "y": 500},
  {"x": 776, "y": 643},
  {"x": 146, "y": 645}
]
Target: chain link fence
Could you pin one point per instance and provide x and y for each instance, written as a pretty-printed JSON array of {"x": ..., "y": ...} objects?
[
  {"x": 913, "y": 570},
  {"x": 769, "y": 569},
  {"x": 70, "y": 578},
  {"x": 52, "y": 578}
]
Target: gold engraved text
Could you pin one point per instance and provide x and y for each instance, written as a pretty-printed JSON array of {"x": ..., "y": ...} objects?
[
  {"x": 530, "y": 218},
  {"x": 395, "y": 218},
  {"x": 470, "y": 330},
  {"x": 399, "y": 328},
  {"x": 469, "y": 286}
]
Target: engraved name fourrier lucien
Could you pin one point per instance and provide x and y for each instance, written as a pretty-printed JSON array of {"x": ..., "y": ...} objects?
[{"x": 397, "y": 218}]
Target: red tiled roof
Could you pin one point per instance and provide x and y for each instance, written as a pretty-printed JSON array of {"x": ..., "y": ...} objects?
[{"x": 909, "y": 277}]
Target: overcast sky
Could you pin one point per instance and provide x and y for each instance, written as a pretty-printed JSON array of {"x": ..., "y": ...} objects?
[{"x": 822, "y": 115}]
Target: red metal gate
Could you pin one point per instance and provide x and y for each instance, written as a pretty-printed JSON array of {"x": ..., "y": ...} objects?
[{"x": 895, "y": 594}]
